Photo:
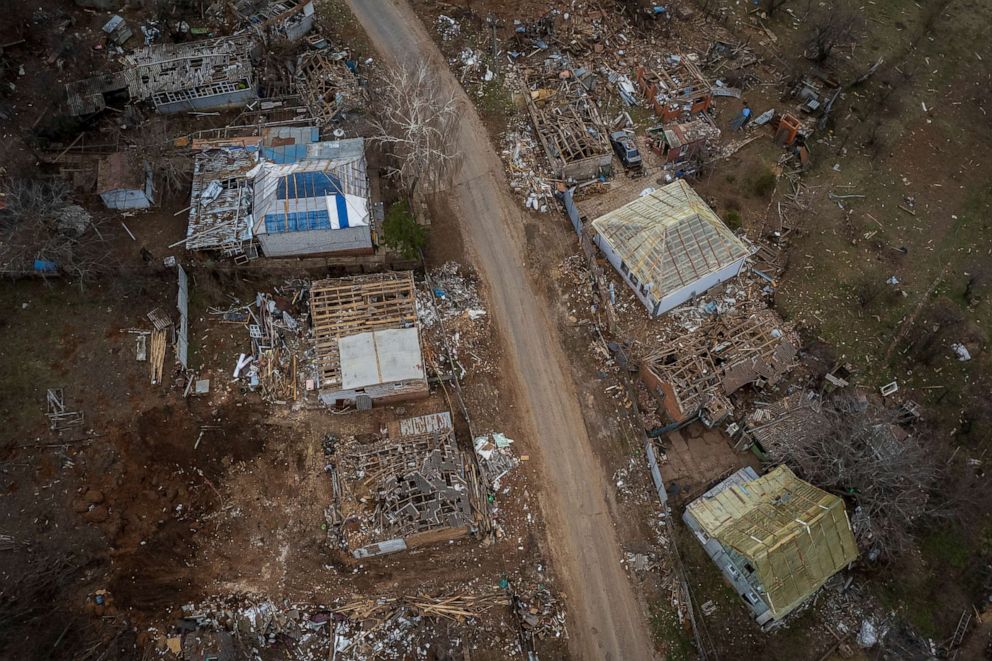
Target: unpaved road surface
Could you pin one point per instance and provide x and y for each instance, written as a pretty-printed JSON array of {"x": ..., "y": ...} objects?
[{"x": 607, "y": 620}]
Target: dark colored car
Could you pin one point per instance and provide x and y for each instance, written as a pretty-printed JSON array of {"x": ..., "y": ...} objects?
[{"x": 626, "y": 150}]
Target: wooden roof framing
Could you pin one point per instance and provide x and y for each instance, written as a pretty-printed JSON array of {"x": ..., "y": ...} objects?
[{"x": 341, "y": 307}]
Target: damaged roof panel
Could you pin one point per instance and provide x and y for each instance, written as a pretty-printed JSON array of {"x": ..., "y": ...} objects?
[
  {"x": 795, "y": 535},
  {"x": 670, "y": 238}
]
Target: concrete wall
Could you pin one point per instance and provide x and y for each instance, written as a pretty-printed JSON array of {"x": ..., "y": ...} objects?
[
  {"x": 705, "y": 283},
  {"x": 299, "y": 29},
  {"x": 233, "y": 99},
  {"x": 126, "y": 198},
  {"x": 384, "y": 393},
  {"x": 353, "y": 240},
  {"x": 571, "y": 210},
  {"x": 588, "y": 168}
]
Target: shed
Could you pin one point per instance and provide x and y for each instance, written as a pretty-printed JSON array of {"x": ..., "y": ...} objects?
[
  {"x": 669, "y": 246},
  {"x": 125, "y": 182},
  {"x": 117, "y": 30},
  {"x": 776, "y": 538},
  {"x": 316, "y": 205}
]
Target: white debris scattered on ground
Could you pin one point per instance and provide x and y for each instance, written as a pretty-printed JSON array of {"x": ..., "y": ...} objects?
[
  {"x": 961, "y": 351},
  {"x": 447, "y": 27}
]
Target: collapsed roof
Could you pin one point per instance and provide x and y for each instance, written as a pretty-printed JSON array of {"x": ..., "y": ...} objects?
[
  {"x": 400, "y": 492},
  {"x": 719, "y": 359},
  {"x": 795, "y": 535},
  {"x": 343, "y": 307}
]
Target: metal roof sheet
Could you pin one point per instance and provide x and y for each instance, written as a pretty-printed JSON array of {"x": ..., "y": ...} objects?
[{"x": 382, "y": 356}]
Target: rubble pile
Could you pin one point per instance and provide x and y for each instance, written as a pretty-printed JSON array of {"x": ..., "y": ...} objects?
[
  {"x": 495, "y": 457},
  {"x": 390, "y": 494},
  {"x": 526, "y": 171},
  {"x": 410, "y": 627},
  {"x": 282, "y": 362},
  {"x": 453, "y": 319}
]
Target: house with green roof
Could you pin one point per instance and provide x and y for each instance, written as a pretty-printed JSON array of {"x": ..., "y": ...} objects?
[{"x": 776, "y": 538}]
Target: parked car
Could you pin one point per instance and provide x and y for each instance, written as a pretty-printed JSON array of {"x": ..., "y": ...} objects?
[{"x": 626, "y": 150}]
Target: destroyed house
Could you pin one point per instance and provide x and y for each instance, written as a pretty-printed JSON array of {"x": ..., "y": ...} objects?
[
  {"x": 124, "y": 181},
  {"x": 669, "y": 246},
  {"x": 677, "y": 91},
  {"x": 195, "y": 76},
  {"x": 679, "y": 144},
  {"x": 367, "y": 340},
  {"x": 220, "y": 211},
  {"x": 776, "y": 539},
  {"x": 91, "y": 95},
  {"x": 404, "y": 491},
  {"x": 317, "y": 205},
  {"x": 696, "y": 373},
  {"x": 280, "y": 19},
  {"x": 570, "y": 130},
  {"x": 796, "y": 416},
  {"x": 326, "y": 85}
]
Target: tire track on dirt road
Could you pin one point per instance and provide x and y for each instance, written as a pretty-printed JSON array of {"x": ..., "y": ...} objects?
[{"x": 606, "y": 617}]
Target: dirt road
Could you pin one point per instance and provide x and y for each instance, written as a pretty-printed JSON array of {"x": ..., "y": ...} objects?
[{"x": 607, "y": 621}]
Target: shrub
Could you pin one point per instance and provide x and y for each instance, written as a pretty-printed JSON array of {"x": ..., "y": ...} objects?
[
  {"x": 401, "y": 232},
  {"x": 763, "y": 184},
  {"x": 732, "y": 219}
]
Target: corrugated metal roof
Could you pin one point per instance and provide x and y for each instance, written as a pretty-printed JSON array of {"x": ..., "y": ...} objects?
[
  {"x": 795, "y": 535},
  {"x": 670, "y": 238},
  {"x": 315, "y": 188}
]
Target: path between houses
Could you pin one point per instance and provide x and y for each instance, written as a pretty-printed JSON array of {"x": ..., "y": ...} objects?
[{"x": 606, "y": 618}]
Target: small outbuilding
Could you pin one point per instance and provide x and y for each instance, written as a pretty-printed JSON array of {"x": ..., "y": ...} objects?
[
  {"x": 669, "y": 246},
  {"x": 776, "y": 538},
  {"x": 124, "y": 181}
]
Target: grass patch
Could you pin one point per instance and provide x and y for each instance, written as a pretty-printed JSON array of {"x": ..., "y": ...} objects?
[
  {"x": 946, "y": 547},
  {"x": 496, "y": 103},
  {"x": 339, "y": 25},
  {"x": 671, "y": 634},
  {"x": 732, "y": 219},
  {"x": 763, "y": 184}
]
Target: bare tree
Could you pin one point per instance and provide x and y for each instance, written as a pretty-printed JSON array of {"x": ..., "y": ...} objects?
[
  {"x": 856, "y": 450},
  {"x": 40, "y": 231},
  {"x": 828, "y": 28},
  {"x": 415, "y": 120}
]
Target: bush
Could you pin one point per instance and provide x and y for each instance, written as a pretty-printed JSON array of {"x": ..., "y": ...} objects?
[
  {"x": 764, "y": 184},
  {"x": 401, "y": 232},
  {"x": 732, "y": 219}
]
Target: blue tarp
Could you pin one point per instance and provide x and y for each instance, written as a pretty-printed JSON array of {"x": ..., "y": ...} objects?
[
  {"x": 45, "y": 266},
  {"x": 297, "y": 221},
  {"x": 301, "y": 185},
  {"x": 304, "y": 221}
]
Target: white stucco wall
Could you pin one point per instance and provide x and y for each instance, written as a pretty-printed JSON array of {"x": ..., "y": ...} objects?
[
  {"x": 680, "y": 296},
  {"x": 675, "y": 298}
]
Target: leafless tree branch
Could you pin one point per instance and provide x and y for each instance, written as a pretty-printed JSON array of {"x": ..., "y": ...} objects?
[
  {"x": 862, "y": 454},
  {"x": 414, "y": 120}
]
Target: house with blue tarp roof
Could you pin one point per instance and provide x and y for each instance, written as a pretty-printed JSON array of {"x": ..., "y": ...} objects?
[{"x": 312, "y": 198}]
